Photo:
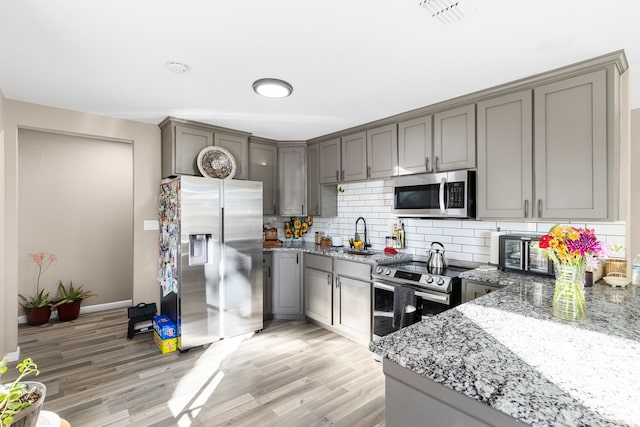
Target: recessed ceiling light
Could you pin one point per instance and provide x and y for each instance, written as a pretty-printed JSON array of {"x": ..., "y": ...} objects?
[
  {"x": 272, "y": 88},
  {"x": 177, "y": 67}
]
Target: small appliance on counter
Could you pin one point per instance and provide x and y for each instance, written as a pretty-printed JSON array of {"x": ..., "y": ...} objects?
[{"x": 521, "y": 253}]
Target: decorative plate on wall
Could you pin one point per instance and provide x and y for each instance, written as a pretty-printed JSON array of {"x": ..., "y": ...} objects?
[{"x": 216, "y": 162}]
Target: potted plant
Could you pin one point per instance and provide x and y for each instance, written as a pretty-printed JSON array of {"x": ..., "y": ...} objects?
[
  {"x": 21, "y": 401},
  {"x": 38, "y": 308},
  {"x": 69, "y": 306}
]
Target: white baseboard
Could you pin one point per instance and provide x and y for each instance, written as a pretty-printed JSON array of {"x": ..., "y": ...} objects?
[
  {"x": 14, "y": 356},
  {"x": 88, "y": 309}
]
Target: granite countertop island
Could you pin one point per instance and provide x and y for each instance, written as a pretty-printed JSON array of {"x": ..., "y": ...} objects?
[{"x": 506, "y": 351}]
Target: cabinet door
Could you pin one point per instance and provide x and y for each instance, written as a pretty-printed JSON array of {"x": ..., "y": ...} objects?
[
  {"x": 238, "y": 146},
  {"x": 570, "y": 148},
  {"x": 472, "y": 290},
  {"x": 263, "y": 166},
  {"x": 292, "y": 181},
  {"x": 330, "y": 157},
  {"x": 354, "y": 157},
  {"x": 313, "y": 182},
  {"x": 455, "y": 138},
  {"x": 188, "y": 144},
  {"x": 267, "y": 282},
  {"x": 382, "y": 152},
  {"x": 505, "y": 159},
  {"x": 415, "y": 146},
  {"x": 287, "y": 283},
  {"x": 352, "y": 308},
  {"x": 318, "y": 293}
]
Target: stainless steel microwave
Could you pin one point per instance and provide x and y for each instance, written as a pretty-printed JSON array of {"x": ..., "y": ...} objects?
[{"x": 438, "y": 195}]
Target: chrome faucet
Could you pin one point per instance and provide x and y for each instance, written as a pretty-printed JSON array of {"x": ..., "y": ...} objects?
[{"x": 366, "y": 240}]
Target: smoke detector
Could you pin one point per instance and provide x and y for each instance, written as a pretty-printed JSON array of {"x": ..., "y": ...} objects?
[
  {"x": 447, "y": 11},
  {"x": 177, "y": 67}
]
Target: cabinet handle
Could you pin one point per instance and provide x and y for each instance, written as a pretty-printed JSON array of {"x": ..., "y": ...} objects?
[
  {"x": 369, "y": 172},
  {"x": 539, "y": 208},
  {"x": 269, "y": 272},
  {"x": 526, "y": 208},
  {"x": 337, "y": 283},
  {"x": 342, "y": 174},
  {"x": 437, "y": 164},
  {"x": 302, "y": 210},
  {"x": 337, "y": 175},
  {"x": 274, "y": 209},
  {"x": 297, "y": 256},
  {"x": 426, "y": 164},
  {"x": 329, "y": 279},
  {"x": 317, "y": 210}
]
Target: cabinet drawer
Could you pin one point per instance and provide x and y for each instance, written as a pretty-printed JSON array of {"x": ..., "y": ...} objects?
[
  {"x": 319, "y": 262},
  {"x": 353, "y": 269}
]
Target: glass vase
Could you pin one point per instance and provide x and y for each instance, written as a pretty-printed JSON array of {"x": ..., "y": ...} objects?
[{"x": 568, "y": 298}]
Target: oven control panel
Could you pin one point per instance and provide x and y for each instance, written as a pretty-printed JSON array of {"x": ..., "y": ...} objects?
[{"x": 429, "y": 281}]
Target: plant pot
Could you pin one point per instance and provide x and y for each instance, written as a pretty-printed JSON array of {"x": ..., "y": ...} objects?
[
  {"x": 69, "y": 311},
  {"x": 37, "y": 316},
  {"x": 29, "y": 416}
]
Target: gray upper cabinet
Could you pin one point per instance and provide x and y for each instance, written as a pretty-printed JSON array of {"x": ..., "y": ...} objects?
[
  {"x": 183, "y": 140},
  {"x": 354, "y": 157},
  {"x": 329, "y": 161},
  {"x": 454, "y": 134},
  {"x": 238, "y": 146},
  {"x": 570, "y": 147},
  {"x": 263, "y": 166},
  {"x": 505, "y": 166},
  {"x": 292, "y": 181},
  {"x": 382, "y": 151},
  {"x": 322, "y": 200},
  {"x": 415, "y": 146},
  {"x": 180, "y": 147}
]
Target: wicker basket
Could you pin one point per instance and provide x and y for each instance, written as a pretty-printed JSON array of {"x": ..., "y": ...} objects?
[
  {"x": 270, "y": 234},
  {"x": 615, "y": 265}
]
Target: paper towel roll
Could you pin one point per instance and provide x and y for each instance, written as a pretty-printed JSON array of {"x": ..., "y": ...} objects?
[{"x": 494, "y": 247}]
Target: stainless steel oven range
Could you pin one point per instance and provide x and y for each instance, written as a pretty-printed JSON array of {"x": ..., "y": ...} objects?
[{"x": 435, "y": 290}]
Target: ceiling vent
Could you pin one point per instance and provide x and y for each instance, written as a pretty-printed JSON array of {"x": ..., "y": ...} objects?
[{"x": 446, "y": 11}]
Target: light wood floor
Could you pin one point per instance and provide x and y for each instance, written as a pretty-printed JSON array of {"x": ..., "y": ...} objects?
[{"x": 292, "y": 374}]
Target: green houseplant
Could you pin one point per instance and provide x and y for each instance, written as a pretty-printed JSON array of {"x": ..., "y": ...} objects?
[
  {"x": 21, "y": 401},
  {"x": 38, "y": 308},
  {"x": 69, "y": 306}
]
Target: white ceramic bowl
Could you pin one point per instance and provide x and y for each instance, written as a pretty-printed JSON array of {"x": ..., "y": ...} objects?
[
  {"x": 337, "y": 240},
  {"x": 616, "y": 280}
]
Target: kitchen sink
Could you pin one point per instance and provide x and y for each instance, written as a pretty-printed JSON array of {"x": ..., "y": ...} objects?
[{"x": 357, "y": 252}]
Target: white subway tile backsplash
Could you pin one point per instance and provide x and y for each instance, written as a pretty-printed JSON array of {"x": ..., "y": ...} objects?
[{"x": 466, "y": 240}]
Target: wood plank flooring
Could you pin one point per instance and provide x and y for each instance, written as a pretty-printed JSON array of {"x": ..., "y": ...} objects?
[{"x": 291, "y": 374}]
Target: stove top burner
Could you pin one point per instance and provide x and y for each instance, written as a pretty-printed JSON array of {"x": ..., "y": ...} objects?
[{"x": 417, "y": 273}]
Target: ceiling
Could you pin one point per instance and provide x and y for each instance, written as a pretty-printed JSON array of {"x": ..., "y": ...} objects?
[{"x": 350, "y": 61}]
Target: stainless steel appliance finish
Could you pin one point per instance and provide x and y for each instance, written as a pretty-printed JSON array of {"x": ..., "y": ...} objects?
[
  {"x": 211, "y": 257},
  {"x": 437, "y": 259},
  {"x": 440, "y": 195},
  {"x": 520, "y": 253},
  {"x": 436, "y": 291}
]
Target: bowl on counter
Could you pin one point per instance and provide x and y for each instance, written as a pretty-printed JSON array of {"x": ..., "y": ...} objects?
[{"x": 337, "y": 241}]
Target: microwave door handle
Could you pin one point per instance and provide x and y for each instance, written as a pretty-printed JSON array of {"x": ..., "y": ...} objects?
[{"x": 443, "y": 208}]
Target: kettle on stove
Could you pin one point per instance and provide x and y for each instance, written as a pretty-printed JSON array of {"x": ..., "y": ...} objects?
[{"x": 436, "y": 260}]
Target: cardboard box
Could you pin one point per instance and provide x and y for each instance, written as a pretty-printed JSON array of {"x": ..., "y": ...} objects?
[
  {"x": 164, "y": 327},
  {"x": 166, "y": 345}
]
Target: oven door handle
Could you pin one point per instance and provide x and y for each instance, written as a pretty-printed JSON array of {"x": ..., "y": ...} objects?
[
  {"x": 379, "y": 285},
  {"x": 435, "y": 298},
  {"x": 443, "y": 208}
]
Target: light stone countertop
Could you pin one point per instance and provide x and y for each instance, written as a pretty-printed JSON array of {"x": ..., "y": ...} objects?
[
  {"x": 379, "y": 258},
  {"x": 506, "y": 350}
]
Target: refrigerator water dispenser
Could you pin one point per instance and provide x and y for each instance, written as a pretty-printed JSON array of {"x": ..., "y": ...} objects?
[{"x": 199, "y": 249}]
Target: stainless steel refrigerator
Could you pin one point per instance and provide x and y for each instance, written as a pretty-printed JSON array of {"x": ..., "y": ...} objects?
[{"x": 210, "y": 265}]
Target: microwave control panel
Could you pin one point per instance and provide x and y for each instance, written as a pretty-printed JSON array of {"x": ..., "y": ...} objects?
[{"x": 455, "y": 196}]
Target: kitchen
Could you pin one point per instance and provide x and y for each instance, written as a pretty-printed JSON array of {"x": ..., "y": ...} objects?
[{"x": 463, "y": 240}]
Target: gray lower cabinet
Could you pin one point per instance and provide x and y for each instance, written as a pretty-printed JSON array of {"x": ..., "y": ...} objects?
[
  {"x": 472, "y": 289},
  {"x": 267, "y": 283},
  {"x": 318, "y": 286},
  {"x": 352, "y": 300},
  {"x": 263, "y": 166},
  {"x": 292, "y": 180},
  {"x": 287, "y": 285}
]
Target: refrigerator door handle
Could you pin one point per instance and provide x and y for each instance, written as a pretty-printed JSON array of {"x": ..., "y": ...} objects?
[
  {"x": 524, "y": 259},
  {"x": 221, "y": 225}
]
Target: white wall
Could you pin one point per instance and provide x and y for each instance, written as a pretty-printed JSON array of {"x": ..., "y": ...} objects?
[
  {"x": 466, "y": 240},
  {"x": 5, "y": 346},
  {"x": 146, "y": 165}
]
